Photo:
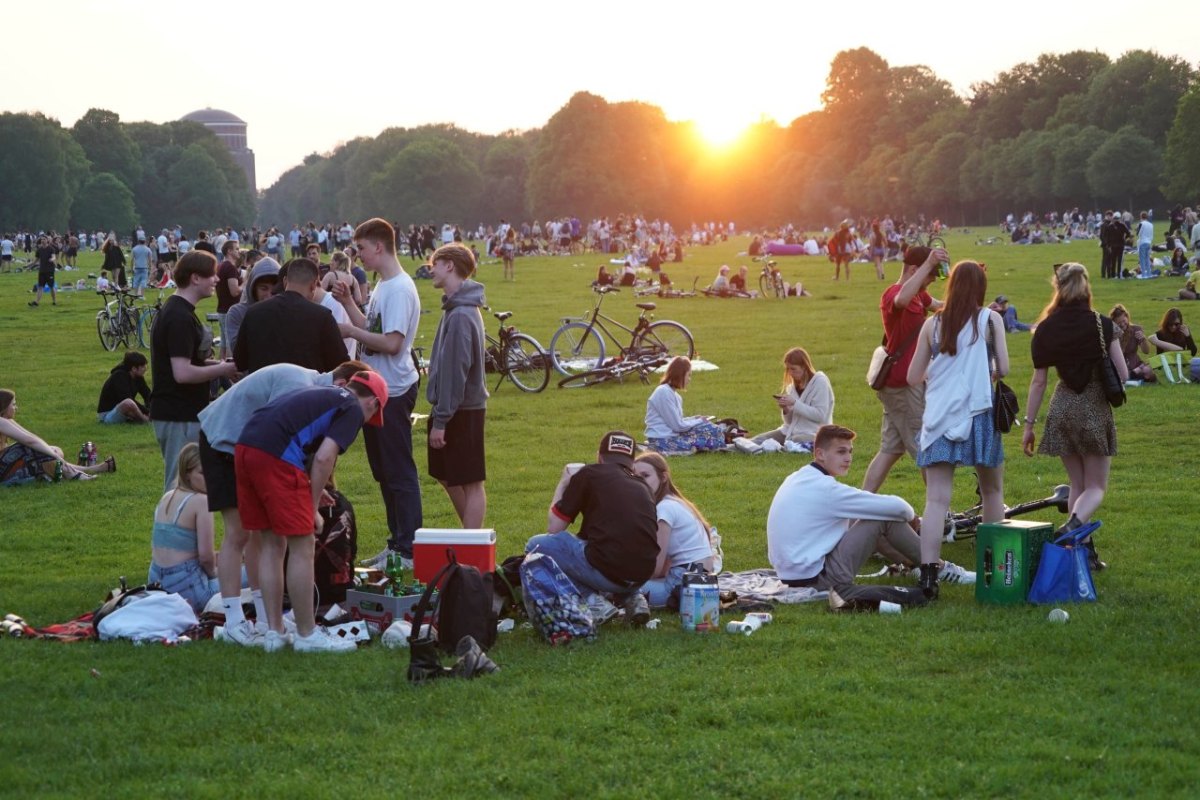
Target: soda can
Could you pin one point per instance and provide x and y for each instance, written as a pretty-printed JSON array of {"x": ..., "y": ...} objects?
[{"x": 763, "y": 617}]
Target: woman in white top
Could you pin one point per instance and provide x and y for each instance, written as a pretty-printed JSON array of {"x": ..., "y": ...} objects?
[
  {"x": 683, "y": 532},
  {"x": 667, "y": 429},
  {"x": 955, "y": 354},
  {"x": 805, "y": 400}
]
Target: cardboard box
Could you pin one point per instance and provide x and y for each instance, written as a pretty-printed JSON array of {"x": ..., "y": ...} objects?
[
  {"x": 380, "y": 610},
  {"x": 1006, "y": 559},
  {"x": 474, "y": 546}
]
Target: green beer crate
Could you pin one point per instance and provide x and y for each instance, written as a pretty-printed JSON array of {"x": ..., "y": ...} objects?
[{"x": 1006, "y": 559}]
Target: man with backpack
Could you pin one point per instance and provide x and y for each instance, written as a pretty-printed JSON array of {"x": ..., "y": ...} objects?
[{"x": 617, "y": 546}]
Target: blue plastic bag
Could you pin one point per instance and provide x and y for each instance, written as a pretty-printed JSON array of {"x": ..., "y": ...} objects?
[
  {"x": 553, "y": 602},
  {"x": 1063, "y": 574}
]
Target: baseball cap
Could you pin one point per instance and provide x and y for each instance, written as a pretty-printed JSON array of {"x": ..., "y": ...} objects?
[
  {"x": 1001, "y": 298},
  {"x": 378, "y": 387},
  {"x": 618, "y": 446}
]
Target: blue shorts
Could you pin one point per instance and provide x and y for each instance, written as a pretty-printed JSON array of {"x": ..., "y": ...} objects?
[
  {"x": 186, "y": 580},
  {"x": 141, "y": 278},
  {"x": 114, "y": 417}
]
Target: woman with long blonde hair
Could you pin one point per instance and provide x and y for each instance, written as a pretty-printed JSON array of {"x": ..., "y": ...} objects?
[{"x": 805, "y": 401}]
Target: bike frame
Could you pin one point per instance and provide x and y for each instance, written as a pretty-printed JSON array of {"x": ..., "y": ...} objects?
[{"x": 597, "y": 319}]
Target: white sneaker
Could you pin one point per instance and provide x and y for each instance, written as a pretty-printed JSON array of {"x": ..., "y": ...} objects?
[
  {"x": 244, "y": 633},
  {"x": 289, "y": 626},
  {"x": 274, "y": 642},
  {"x": 953, "y": 573},
  {"x": 321, "y": 641}
]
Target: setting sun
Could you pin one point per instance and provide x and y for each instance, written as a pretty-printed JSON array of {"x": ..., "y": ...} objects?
[{"x": 720, "y": 132}]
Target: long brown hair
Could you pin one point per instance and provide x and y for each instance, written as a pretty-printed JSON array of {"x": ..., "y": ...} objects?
[
  {"x": 667, "y": 487},
  {"x": 1071, "y": 286},
  {"x": 796, "y": 357},
  {"x": 7, "y": 396},
  {"x": 676, "y": 374},
  {"x": 964, "y": 297}
]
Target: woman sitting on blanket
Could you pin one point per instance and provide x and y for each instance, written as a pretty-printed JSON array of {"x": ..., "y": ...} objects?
[
  {"x": 184, "y": 559},
  {"x": 684, "y": 536},
  {"x": 26, "y": 457},
  {"x": 667, "y": 429},
  {"x": 805, "y": 402}
]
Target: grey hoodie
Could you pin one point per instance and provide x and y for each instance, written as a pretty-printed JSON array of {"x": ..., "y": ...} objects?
[
  {"x": 233, "y": 319},
  {"x": 456, "y": 360}
]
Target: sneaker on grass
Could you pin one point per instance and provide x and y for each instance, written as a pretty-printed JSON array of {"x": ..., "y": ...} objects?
[
  {"x": 274, "y": 642},
  {"x": 953, "y": 573},
  {"x": 244, "y": 633},
  {"x": 637, "y": 610},
  {"x": 322, "y": 641},
  {"x": 289, "y": 626}
]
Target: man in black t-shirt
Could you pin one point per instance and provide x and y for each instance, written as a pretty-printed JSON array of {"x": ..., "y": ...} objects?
[
  {"x": 617, "y": 545},
  {"x": 181, "y": 372},
  {"x": 46, "y": 254},
  {"x": 229, "y": 286}
]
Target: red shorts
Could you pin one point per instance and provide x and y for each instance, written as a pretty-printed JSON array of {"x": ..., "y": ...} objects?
[{"x": 272, "y": 494}]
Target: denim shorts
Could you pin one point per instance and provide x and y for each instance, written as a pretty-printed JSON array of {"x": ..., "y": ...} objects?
[
  {"x": 141, "y": 278},
  {"x": 187, "y": 580},
  {"x": 113, "y": 417}
]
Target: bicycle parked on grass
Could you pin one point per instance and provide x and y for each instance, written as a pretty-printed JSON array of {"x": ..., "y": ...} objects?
[
  {"x": 117, "y": 322},
  {"x": 963, "y": 525},
  {"x": 516, "y": 356},
  {"x": 923, "y": 239},
  {"x": 579, "y": 344},
  {"x": 770, "y": 281},
  {"x": 146, "y": 320}
]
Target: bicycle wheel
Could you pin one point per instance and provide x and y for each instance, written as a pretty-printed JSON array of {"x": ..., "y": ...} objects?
[
  {"x": 109, "y": 336},
  {"x": 935, "y": 242},
  {"x": 129, "y": 326},
  {"x": 575, "y": 348},
  {"x": 526, "y": 364},
  {"x": 145, "y": 325},
  {"x": 582, "y": 380},
  {"x": 765, "y": 286},
  {"x": 778, "y": 285},
  {"x": 665, "y": 338}
]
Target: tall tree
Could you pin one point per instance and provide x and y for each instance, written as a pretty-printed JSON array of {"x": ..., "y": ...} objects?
[
  {"x": 1141, "y": 89},
  {"x": 41, "y": 168},
  {"x": 108, "y": 145},
  {"x": 1125, "y": 169},
  {"x": 104, "y": 203},
  {"x": 1181, "y": 176}
]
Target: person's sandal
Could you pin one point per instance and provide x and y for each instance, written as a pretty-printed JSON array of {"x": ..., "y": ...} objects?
[{"x": 111, "y": 463}]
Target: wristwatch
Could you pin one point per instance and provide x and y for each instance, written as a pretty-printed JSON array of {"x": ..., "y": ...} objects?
[{"x": 1029, "y": 421}]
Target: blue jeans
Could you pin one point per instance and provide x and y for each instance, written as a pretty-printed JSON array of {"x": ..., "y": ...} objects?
[
  {"x": 1011, "y": 323},
  {"x": 389, "y": 452},
  {"x": 172, "y": 436},
  {"x": 1144, "y": 259},
  {"x": 567, "y": 551},
  {"x": 658, "y": 590},
  {"x": 186, "y": 580}
]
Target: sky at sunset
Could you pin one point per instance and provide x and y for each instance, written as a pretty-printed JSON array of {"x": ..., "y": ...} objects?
[{"x": 306, "y": 76}]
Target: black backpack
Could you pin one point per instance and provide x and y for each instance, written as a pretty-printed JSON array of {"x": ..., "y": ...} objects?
[
  {"x": 464, "y": 606},
  {"x": 336, "y": 549}
]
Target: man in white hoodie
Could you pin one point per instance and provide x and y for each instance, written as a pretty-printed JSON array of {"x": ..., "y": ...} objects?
[{"x": 820, "y": 531}]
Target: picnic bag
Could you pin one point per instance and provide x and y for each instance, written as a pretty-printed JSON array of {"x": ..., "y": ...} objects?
[
  {"x": 336, "y": 549},
  {"x": 463, "y": 607},
  {"x": 1063, "y": 574},
  {"x": 553, "y": 603},
  {"x": 122, "y": 596}
]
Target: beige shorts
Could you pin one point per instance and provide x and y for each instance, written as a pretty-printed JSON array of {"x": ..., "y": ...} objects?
[{"x": 903, "y": 408}]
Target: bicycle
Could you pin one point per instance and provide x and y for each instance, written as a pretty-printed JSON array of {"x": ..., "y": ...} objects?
[
  {"x": 516, "y": 356},
  {"x": 770, "y": 281},
  {"x": 922, "y": 239},
  {"x": 617, "y": 370},
  {"x": 667, "y": 290},
  {"x": 578, "y": 344},
  {"x": 146, "y": 320},
  {"x": 963, "y": 525},
  {"x": 117, "y": 322}
]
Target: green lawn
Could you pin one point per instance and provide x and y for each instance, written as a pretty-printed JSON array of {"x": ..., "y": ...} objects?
[{"x": 951, "y": 700}]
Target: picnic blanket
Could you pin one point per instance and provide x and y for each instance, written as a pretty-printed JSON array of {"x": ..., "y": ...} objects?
[{"x": 764, "y": 584}]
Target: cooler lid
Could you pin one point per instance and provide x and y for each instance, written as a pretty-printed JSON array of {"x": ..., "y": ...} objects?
[{"x": 455, "y": 536}]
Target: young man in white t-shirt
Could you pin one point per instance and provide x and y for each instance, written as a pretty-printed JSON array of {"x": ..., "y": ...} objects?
[
  {"x": 386, "y": 334},
  {"x": 1145, "y": 234}
]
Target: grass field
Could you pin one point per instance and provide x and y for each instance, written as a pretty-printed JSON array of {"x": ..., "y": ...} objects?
[{"x": 952, "y": 700}]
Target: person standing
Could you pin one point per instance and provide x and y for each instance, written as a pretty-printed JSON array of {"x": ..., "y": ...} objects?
[
  {"x": 456, "y": 388},
  {"x": 46, "y": 256},
  {"x": 114, "y": 261},
  {"x": 954, "y": 359},
  {"x": 229, "y": 288},
  {"x": 1145, "y": 234},
  {"x": 903, "y": 307},
  {"x": 283, "y": 460},
  {"x": 1113, "y": 234},
  {"x": 180, "y": 370},
  {"x": 141, "y": 255},
  {"x": 290, "y": 327},
  {"x": 1079, "y": 428},
  {"x": 387, "y": 332}
]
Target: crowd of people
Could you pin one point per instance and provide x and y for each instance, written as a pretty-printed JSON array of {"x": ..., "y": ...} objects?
[{"x": 311, "y": 354}]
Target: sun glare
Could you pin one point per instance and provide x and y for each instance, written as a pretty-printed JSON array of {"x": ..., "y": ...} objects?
[{"x": 720, "y": 132}]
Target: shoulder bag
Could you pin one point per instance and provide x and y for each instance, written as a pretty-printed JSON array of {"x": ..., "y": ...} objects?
[
  {"x": 1114, "y": 388},
  {"x": 882, "y": 360},
  {"x": 1004, "y": 400}
]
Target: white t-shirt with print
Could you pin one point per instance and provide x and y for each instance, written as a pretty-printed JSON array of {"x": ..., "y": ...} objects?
[{"x": 394, "y": 308}]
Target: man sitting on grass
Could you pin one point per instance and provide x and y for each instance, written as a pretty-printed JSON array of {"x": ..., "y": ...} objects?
[
  {"x": 283, "y": 461},
  {"x": 820, "y": 531},
  {"x": 617, "y": 546},
  {"x": 126, "y": 381}
]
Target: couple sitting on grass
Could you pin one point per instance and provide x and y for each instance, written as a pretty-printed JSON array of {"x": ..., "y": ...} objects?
[{"x": 25, "y": 457}]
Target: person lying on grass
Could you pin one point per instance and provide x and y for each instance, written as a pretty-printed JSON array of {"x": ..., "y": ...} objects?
[
  {"x": 820, "y": 531},
  {"x": 26, "y": 457}
]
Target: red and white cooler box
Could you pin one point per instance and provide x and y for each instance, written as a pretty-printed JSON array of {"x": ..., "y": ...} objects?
[{"x": 474, "y": 546}]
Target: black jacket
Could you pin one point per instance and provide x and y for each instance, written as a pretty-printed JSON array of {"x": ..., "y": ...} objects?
[
  {"x": 122, "y": 386},
  {"x": 289, "y": 329}
]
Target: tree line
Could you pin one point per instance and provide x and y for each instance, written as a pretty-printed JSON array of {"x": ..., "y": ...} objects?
[
  {"x": 1072, "y": 129},
  {"x": 104, "y": 174}
]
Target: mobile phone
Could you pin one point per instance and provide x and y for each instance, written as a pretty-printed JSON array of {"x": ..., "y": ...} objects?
[{"x": 777, "y": 396}]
